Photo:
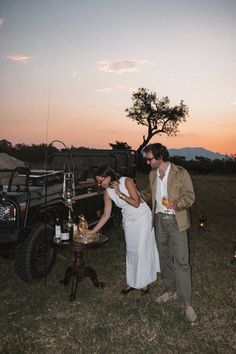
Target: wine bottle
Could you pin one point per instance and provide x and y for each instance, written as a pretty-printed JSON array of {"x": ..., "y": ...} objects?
[
  {"x": 69, "y": 226},
  {"x": 57, "y": 230},
  {"x": 65, "y": 233}
]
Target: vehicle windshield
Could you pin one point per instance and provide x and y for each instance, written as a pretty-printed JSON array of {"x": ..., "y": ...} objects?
[{"x": 21, "y": 179}]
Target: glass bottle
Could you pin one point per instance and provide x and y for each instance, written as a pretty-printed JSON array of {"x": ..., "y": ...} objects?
[
  {"x": 69, "y": 226},
  {"x": 57, "y": 230},
  {"x": 64, "y": 232}
]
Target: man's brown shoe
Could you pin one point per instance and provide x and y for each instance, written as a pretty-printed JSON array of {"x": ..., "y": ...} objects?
[
  {"x": 166, "y": 297},
  {"x": 190, "y": 314}
]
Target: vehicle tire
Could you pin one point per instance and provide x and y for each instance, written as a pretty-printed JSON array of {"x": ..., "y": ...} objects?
[
  {"x": 35, "y": 256},
  {"x": 7, "y": 252}
]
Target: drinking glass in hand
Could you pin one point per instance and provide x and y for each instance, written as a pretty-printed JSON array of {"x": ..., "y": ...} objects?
[{"x": 165, "y": 201}]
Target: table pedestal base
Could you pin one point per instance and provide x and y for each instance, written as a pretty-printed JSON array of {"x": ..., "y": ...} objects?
[{"x": 77, "y": 272}]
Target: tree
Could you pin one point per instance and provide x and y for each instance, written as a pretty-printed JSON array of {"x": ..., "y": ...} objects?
[
  {"x": 5, "y": 146},
  {"x": 120, "y": 145},
  {"x": 156, "y": 114}
]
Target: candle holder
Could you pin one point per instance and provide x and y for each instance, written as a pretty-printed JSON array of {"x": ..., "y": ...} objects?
[
  {"x": 69, "y": 188},
  {"x": 233, "y": 260},
  {"x": 202, "y": 223}
]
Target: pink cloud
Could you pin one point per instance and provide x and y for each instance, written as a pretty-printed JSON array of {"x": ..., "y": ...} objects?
[
  {"x": 120, "y": 66},
  {"x": 104, "y": 89}
]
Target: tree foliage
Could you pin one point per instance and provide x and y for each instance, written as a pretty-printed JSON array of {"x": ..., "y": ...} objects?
[
  {"x": 120, "y": 145},
  {"x": 156, "y": 114},
  {"x": 5, "y": 146},
  {"x": 35, "y": 154}
]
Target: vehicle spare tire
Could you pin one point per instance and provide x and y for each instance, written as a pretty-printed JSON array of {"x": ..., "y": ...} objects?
[{"x": 35, "y": 256}]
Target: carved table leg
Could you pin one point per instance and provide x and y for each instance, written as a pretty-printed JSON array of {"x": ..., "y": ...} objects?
[
  {"x": 67, "y": 276},
  {"x": 73, "y": 288},
  {"x": 90, "y": 272},
  {"x": 76, "y": 269}
]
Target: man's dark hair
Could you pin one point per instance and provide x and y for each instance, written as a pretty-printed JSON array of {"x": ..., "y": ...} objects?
[{"x": 158, "y": 150}]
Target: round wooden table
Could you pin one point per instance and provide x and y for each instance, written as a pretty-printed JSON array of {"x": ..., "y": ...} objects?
[{"x": 78, "y": 271}]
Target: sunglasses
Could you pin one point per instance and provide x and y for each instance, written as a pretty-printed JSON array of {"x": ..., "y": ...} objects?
[
  {"x": 100, "y": 182},
  {"x": 149, "y": 159}
]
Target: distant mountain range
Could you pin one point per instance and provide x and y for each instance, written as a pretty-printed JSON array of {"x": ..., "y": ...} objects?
[{"x": 190, "y": 153}]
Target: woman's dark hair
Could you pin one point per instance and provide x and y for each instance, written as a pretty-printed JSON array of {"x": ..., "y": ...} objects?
[
  {"x": 105, "y": 171},
  {"x": 158, "y": 150}
]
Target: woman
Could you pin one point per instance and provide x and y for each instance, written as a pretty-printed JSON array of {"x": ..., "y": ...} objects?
[{"x": 142, "y": 259}]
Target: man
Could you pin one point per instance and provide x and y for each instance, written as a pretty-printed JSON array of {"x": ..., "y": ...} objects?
[{"x": 171, "y": 190}]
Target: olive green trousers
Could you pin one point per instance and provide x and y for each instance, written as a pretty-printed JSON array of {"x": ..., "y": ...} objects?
[{"x": 174, "y": 256}]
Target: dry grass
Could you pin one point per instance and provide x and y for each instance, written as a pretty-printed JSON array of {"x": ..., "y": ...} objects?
[{"x": 38, "y": 318}]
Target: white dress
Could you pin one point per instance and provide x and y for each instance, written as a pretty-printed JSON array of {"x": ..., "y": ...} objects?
[{"x": 142, "y": 258}]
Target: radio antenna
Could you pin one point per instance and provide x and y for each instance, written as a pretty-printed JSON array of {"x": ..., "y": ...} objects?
[
  {"x": 47, "y": 129},
  {"x": 46, "y": 183}
]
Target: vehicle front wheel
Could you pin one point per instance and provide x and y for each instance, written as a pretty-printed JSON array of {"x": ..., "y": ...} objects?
[{"x": 35, "y": 255}]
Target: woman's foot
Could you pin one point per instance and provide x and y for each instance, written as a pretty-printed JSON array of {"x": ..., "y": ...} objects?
[
  {"x": 126, "y": 290},
  {"x": 145, "y": 290}
]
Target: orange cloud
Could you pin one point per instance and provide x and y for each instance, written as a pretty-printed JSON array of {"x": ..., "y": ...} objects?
[{"x": 19, "y": 58}]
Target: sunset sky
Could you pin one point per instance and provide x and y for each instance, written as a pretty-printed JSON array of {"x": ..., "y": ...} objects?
[{"x": 68, "y": 69}]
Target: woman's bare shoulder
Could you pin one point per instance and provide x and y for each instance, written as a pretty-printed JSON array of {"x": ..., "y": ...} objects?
[{"x": 129, "y": 180}]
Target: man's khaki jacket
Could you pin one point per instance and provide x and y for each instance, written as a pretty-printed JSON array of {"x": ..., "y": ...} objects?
[{"x": 180, "y": 189}]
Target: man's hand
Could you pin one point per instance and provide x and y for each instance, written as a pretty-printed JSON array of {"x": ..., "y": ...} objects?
[{"x": 172, "y": 204}]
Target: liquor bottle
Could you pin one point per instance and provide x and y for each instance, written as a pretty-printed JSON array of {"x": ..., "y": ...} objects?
[{"x": 57, "y": 230}]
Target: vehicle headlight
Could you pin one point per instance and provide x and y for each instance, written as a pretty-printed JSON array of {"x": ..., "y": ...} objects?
[{"x": 7, "y": 212}]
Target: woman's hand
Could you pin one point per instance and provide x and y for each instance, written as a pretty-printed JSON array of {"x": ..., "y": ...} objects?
[
  {"x": 90, "y": 232},
  {"x": 116, "y": 187}
]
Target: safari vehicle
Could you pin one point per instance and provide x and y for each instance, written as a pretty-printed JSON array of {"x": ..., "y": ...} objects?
[{"x": 32, "y": 199}]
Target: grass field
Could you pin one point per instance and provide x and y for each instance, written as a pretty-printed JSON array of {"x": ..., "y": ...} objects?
[{"x": 39, "y": 318}]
